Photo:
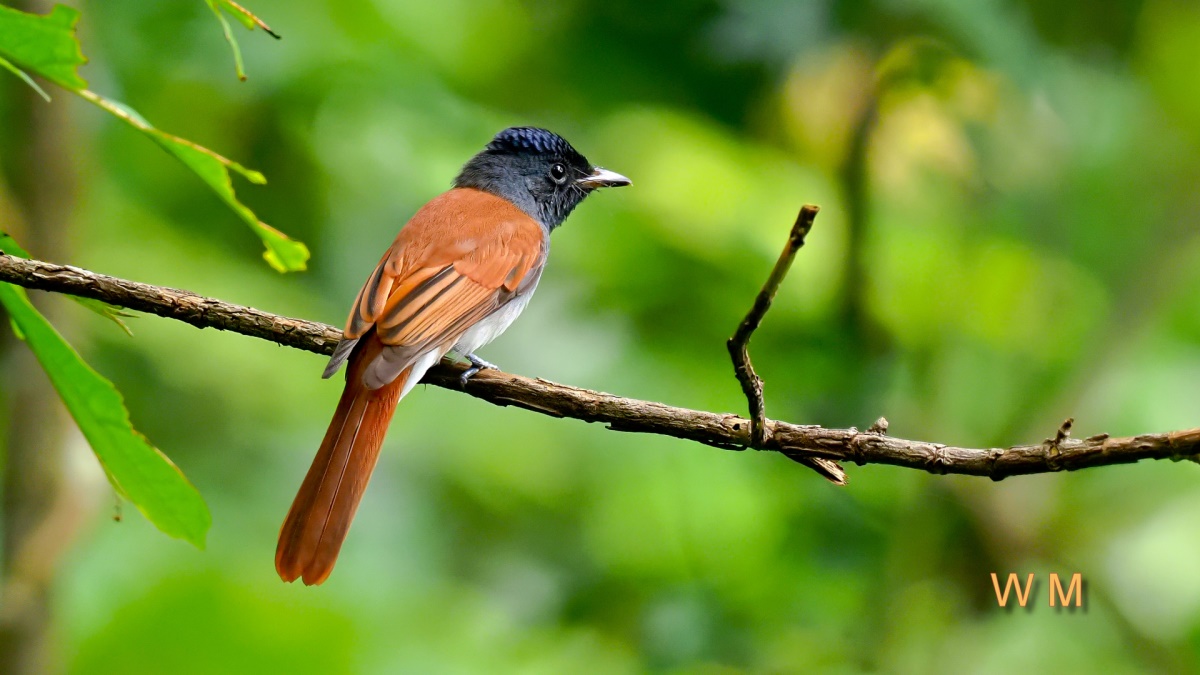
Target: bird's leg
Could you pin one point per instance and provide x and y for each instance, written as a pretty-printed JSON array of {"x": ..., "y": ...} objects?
[{"x": 477, "y": 364}]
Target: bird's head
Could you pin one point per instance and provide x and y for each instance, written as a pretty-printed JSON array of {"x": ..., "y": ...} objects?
[{"x": 538, "y": 171}]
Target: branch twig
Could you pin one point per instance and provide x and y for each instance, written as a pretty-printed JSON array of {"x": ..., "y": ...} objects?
[
  {"x": 739, "y": 344},
  {"x": 621, "y": 414},
  {"x": 739, "y": 347}
]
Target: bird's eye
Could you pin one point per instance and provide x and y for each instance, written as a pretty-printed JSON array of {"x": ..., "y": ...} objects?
[{"x": 558, "y": 173}]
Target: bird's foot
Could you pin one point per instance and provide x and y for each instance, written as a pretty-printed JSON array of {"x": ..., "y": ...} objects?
[{"x": 477, "y": 364}]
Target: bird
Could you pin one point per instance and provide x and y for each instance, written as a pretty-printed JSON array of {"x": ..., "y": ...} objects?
[{"x": 460, "y": 271}]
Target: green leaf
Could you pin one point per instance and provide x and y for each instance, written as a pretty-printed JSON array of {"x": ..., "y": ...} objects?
[
  {"x": 110, "y": 312},
  {"x": 137, "y": 469},
  {"x": 283, "y": 253},
  {"x": 11, "y": 247},
  {"x": 44, "y": 44},
  {"x": 113, "y": 313},
  {"x": 246, "y": 18}
]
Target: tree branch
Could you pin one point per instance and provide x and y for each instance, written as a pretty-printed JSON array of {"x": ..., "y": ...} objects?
[
  {"x": 739, "y": 347},
  {"x": 624, "y": 414}
]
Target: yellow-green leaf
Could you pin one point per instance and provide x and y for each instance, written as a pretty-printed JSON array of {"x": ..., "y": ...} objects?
[{"x": 283, "y": 253}]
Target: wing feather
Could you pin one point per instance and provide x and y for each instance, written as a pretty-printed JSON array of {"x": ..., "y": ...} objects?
[{"x": 462, "y": 257}]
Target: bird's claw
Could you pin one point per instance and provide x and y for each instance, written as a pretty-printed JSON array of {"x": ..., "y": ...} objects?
[{"x": 477, "y": 364}]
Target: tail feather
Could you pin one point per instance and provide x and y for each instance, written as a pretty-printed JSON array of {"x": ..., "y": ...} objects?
[{"x": 320, "y": 517}]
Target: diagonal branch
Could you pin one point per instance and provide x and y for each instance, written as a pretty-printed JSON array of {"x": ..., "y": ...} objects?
[
  {"x": 722, "y": 430},
  {"x": 739, "y": 347}
]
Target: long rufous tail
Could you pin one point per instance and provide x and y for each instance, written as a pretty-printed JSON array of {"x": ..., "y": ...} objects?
[{"x": 316, "y": 525}]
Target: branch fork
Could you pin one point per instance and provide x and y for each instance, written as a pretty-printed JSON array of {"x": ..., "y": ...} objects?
[{"x": 739, "y": 350}]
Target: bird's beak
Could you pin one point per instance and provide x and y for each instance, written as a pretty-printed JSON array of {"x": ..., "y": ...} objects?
[{"x": 603, "y": 178}]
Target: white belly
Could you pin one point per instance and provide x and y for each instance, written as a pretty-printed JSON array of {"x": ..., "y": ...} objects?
[
  {"x": 493, "y": 326},
  {"x": 383, "y": 370}
]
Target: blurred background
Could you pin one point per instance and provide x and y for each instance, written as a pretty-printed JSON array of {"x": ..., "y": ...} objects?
[{"x": 1008, "y": 237}]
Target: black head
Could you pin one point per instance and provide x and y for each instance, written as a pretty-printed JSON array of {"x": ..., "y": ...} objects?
[{"x": 538, "y": 171}]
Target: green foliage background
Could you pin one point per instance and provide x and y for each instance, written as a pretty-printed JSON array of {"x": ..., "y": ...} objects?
[{"x": 1008, "y": 238}]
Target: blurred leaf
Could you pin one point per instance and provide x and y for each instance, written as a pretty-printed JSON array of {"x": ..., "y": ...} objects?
[
  {"x": 283, "y": 253},
  {"x": 1169, "y": 47},
  {"x": 47, "y": 46},
  {"x": 247, "y": 19},
  {"x": 10, "y": 246},
  {"x": 136, "y": 469},
  {"x": 44, "y": 44},
  {"x": 915, "y": 61}
]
